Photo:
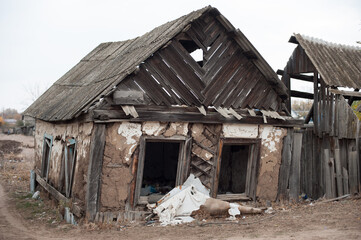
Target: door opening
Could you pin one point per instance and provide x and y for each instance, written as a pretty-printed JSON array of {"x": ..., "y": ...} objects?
[
  {"x": 160, "y": 167},
  {"x": 233, "y": 173}
]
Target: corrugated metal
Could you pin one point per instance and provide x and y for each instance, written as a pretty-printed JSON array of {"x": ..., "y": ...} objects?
[
  {"x": 338, "y": 65},
  {"x": 98, "y": 73}
]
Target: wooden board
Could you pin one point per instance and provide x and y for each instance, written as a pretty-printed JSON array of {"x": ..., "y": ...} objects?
[
  {"x": 285, "y": 165},
  {"x": 338, "y": 173},
  {"x": 95, "y": 171},
  {"x": 294, "y": 181}
]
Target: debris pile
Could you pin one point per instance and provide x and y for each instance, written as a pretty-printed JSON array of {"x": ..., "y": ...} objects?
[{"x": 184, "y": 201}]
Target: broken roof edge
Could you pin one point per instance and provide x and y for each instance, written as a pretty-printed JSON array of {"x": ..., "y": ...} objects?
[
  {"x": 305, "y": 42},
  {"x": 297, "y": 37},
  {"x": 183, "y": 21}
]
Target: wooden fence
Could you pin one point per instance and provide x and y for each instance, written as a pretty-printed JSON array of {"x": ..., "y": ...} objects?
[{"x": 318, "y": 166}]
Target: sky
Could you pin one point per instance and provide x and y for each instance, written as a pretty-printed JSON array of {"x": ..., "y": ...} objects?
[{"x": 41, "y": 40}]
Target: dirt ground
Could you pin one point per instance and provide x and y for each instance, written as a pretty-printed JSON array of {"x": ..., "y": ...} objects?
[{"x": 22, "y": 217}]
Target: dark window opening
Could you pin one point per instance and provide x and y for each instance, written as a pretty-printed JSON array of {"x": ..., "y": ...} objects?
[
  {"x": 160, "y": 167},
  {"x": 233, "y": 173},
  {"x": 194, "y": 50}
]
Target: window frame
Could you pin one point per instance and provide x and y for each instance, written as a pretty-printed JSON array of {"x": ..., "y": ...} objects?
[
  {"x": 183, "y": 160},
  {"x": 252, "y": 165},
  {"x": 45, "y": 161}
]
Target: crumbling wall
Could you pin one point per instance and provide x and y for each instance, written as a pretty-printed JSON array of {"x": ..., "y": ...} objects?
[
  {"x": 270, "y": 162},
  {"x": 270, "y": 155},
  {"x": 121, "y": 144},
  {"x": 81, "y": 132},
  {"x": 121, "y": 141}
]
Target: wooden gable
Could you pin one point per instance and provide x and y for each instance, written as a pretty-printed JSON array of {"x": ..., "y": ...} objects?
[{"x": 226, "y": 76}]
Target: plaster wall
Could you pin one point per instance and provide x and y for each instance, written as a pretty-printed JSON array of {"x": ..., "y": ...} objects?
[
  {"x": 121, "y": 146},
  {"x": 270, "y": 156},
  {"x": 79, "y": 131}
]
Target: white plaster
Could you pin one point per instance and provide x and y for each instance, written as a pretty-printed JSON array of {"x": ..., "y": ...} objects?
[
  {"x": 184, "y": 131},
  {"x": 153, "y": 128},
  {"x": 240, "y": 130},
  {"x": 270, "y": 137},
  {"x": 129, "y": 131}
]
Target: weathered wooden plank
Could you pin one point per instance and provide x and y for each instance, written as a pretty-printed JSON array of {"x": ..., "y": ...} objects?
[
  {"x": 308, "y": 158},
  {"x": 169, "y": 76},
  {"x": 254, "y": 158},
  {"x": 338, "y": 172},
  {"x": 327, "y": 174},
  {"x": 352, "y": 171},
  {"x": 169, "y": 116},
  {"x": 315, "y": 102},
  {"x": 345, "y": 181},
  {"x": 152, "y": 89},
  {"x": 95, "y": 171},
  {"x": 216, "y": 63},
  {"x": 254, "y": 93},
  {"x": 233, "y": 197},
  {"x": 252, "y": 78},
  {"x": 229, "y": 87},
  {"x": 346, "y": 93},
  {"x": 164, "y": 83},
  {"x": 188, "y": 59},
  {"x": 332, "y": 177},
  {"x": 294, "y": 180},
  {"x": 140, "y": 170},
  {"x": 58, "y": 196},
  {"x": 221, "y": 77},
  {"x": 285, "y": 165},
  {"x": 183, "y": 70},
  {"x": 129, "y": 97}
]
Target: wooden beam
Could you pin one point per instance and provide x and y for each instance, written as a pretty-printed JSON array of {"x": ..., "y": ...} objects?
[
  {"x": 234, "y": 197},
  {"x": 95, "y": 171},
  {"x": 285, "y": 167},
  {"x": 315, "y": 102},
  {"x": 296, "y": 76},
  {"x": 105, "y": 116},
  {"x": 301, "y": 94},
  {"x": 346, "y": 93},
  {"x": 76, "y": 210},
  {"x": 295, "y": 168},
  {"x": 309, "y": 115}
]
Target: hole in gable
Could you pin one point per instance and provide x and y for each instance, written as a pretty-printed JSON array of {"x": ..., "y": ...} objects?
[{"x": 194, "y": 50}]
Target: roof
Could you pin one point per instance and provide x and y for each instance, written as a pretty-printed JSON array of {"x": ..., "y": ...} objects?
[
  {"x": 99, "y": 73},
  {"x": 339, "y": 65}
]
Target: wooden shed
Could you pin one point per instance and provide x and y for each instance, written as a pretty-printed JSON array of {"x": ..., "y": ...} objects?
[
  {"x": 330, "y": 155},
  {"x": 134, "y": 118}
]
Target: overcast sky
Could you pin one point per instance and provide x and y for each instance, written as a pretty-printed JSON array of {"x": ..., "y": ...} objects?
[{"x": 41, "y": 40}]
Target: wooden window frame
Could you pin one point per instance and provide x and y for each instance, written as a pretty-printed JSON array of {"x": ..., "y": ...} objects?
[
  {"x": 70, "y": 143},
  {"x": 45, "y": 161},
  {"x": 252, "y": 166},
  {"x": 185, "y": 145}
]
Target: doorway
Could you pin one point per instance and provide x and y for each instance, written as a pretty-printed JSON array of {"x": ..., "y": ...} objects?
[
  {"x": 160, "y": 167},
  {"x": 236, "y": 168},
  {"x": 163, "y": 164},
  {"x": 233, "y": 173}
]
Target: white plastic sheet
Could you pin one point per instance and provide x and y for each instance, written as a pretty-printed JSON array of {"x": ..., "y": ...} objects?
[{"x": 177, "y": 206}]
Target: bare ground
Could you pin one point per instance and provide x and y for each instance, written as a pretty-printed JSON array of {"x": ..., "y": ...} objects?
[{"x": 24, "y": 218}]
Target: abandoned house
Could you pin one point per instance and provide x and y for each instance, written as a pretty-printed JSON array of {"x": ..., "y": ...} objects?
[
  {"x": 135, "y": 118},
  {"x": 329, "y": 144}
]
